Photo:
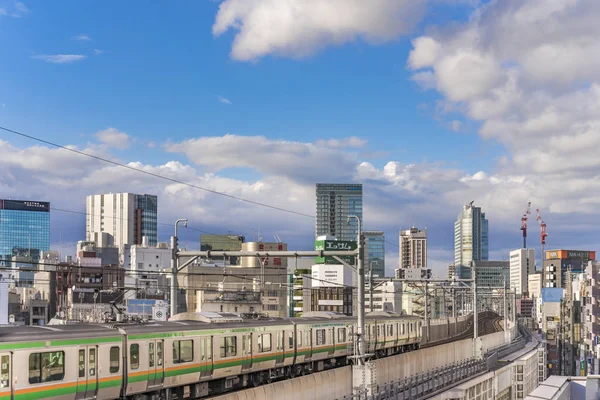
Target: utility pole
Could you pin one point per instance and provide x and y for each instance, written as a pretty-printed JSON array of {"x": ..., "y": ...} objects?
[
  {"x": 174, "y": 250},
  {"x": 371, "y": 289},
  {"x": 427, "y": 310},
  {"x": 475, "y": 313},
  {"x": 506, "y": 335}
]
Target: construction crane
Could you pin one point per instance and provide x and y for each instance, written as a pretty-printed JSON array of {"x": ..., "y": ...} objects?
[
  {"x": 524, "y": 224},
  {"x": 543, "y": 233}
]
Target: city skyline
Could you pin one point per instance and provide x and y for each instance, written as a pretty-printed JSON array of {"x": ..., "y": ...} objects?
[{"x": 221, "y": 105}]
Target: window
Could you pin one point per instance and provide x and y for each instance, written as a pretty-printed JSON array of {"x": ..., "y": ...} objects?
[
  {"x": 159, "y": 353},
  {"x": 183, "y": 351},
  {"x": 82, "y": 363},
  {"x": 299, "y": 339},
  {"x": 4, "y": 372},
  {"x": 403, "y": 329},
  {"x": 134, "y": 356},
  {"x": 291, "y": 340},
  {"x": 378, "y": 330},
  {"x": 264, "y": 342},
  {"x": 390, "y": 330},
  {"x": 320, "y": 337},
  {"x": 114, "y": 360},
  {"x": 342, "y": 335},
  {"x": 46, "y": 367},
  {"x": 229, "y": 345},
  {"x": 151, "y": 354},
  {"x": 92, "y": 362}
]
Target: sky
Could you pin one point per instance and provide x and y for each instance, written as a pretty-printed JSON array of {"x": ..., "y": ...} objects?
[{"x": 430, "y": 104}]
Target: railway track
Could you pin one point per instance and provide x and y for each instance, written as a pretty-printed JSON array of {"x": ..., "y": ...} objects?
[{"x": 487, "y": 324}]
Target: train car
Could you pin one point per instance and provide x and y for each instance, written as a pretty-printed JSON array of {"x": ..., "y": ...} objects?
[{"x": 61, "y": 362}]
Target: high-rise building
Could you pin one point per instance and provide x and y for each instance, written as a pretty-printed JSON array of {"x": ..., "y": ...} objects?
[
  {"x": 117, "y": 219},
  {"x": 470, "y": 239},
  {"x": 335, "y": 203},
  {"x": 375, "y": 252},
  {"x": 522, "y": 264},
  {"x": 413, "y": 248},
  {"x": 558, "y": 262},
  {"x": 24, "y": 229}
]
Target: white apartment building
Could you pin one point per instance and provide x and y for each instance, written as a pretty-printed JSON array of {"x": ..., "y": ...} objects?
[
  {"x": 413, "y": 248},
  {"x": 522, "y": 264},
  {"x": 387, "y": 296}
]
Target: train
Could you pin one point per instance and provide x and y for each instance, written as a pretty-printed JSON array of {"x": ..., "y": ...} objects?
[{"x": 210, "y": 354}]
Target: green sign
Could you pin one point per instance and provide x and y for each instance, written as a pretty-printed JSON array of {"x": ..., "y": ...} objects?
[{"x": 334, "y": 245}]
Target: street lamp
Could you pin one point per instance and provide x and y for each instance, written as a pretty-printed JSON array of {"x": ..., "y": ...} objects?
[{"x": 174, "y": 246}]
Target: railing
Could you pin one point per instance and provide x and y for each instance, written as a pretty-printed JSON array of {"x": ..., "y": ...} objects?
[{"x": 428, "y": 383}]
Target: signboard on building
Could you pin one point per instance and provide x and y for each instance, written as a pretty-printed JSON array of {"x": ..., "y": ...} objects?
[
  {"x": 585, "y": 256},
  {"x": 333, "y": 245},
  {"x": 552, "y": 295},
  {"x": 331, "y": 275},
  {"x": 19, "y": 205}
]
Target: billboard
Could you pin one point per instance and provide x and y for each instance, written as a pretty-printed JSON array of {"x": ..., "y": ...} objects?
[
  {"x": 331, "y": 275},
  {"x": 552, "y": 295},
  {"x": 20, "y": 205},
  {"x": 585, "y": 256},
  {"x": 333, "y": 245}
]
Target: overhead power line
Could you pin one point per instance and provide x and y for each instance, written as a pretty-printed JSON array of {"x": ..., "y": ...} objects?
[{"x": 141, "y": 171}]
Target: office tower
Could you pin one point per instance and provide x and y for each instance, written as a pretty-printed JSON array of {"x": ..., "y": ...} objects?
[
  {"x": 470, "y": 239},
  {"x": 522, "y": 264},
  {"x": 24, "y": 229},
  {"x": 117, "y": 219},
  {"x": 335, "y": 203},
  {"x": 375, "y": 252},
  {"x": 558, "y": 262},
  {"x": 413, "y": 248}
]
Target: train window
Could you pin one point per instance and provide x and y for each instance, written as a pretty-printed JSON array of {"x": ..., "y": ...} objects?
[
  {"x": 229, "y": 346},
  {"x": 378, "y": 330},
  {"x": 391, "y": 330},
  {"x": 291, "y": 340},
  {"x": 46, "y": 367},
  {"x": 320, "y": 337},
  {"x": 82, "y": 363},
  {"x": 134, "y": 356},
  {"x": 92, "y": 362},
  {"x": 264, "y": 342},
  {"x": 4, "y": 372},
  {"x": 299, "y": 339},
  {"x": 151, "y": 354},
  {"x": 159, "y": 353},
  {"x": 342, "y": 335},
  {"x": 115, "y": 359},
  {"x": 183, "y": 351}
]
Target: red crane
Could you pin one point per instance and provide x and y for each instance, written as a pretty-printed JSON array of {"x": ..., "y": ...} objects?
[
  {"x": 543, "y": 233},
  {"x": 524, "y": 224}
]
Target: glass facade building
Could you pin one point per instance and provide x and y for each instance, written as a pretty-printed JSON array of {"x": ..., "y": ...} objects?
[
  {"x": 375, "y": 252},
  {"x": 146, "y": 218},
  {"x": 470, "y": 240},
  {"x": 24, "y": 228},
  {"x": 335, "y": 203}
]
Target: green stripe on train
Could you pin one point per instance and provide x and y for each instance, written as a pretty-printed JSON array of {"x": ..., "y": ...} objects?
[
  {"x": 46, "y": 393},
  {"x": 109, "y": 384}
]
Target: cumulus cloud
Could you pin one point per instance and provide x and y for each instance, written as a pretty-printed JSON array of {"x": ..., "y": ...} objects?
[
  {"x": 82, "y": 37},
  {"x": 350, "y": 142},
  {"x": 14, "y": 9},
  {"x": 114, "y": 138},
  {"x": 59, "y": 58},
  {"x": 224, "y": 100},
  {"x": 299, "y": 28}
]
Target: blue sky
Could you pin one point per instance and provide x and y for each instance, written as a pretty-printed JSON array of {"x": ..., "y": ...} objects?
[{"x": 452, "y": 117}]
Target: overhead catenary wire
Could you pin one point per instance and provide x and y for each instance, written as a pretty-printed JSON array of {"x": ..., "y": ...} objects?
[{"x": 155, "y": 175}]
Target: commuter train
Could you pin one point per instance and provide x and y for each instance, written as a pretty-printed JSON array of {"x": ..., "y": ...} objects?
[{"x": 213, "y": 354}]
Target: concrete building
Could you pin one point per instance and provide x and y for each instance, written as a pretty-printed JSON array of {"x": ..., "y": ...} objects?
[
  {"x": 332, "y": 288},
  {"x": 255, "y": 262},
  {"x": 470, "y": 239},
  {"x": 387, "y": 296},
  {"x": 117, "y": 219},
  {"x": 24, "y": 229},
  {"x": 334, "y": 204},
  {"x": 551, "y": 311},
  {"x": 522, "y": 264},
  {"x": 413, "y": 248},
  {"x": 210, "y": 242},
  {"x": 412, "y": 273},
  {"x": 591, "y": 317},
  {"x": 375, "y": 252},
  {"x": 450, "y": 271},
  {"x": 558, "y": 262},
  {"x": 570, "y": 326}
]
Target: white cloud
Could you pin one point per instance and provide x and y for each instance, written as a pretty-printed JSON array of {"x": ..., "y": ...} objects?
[
  {"x": 350, "y": 142},
  {"x": 82, "y": 37},
  {"x": 14, "y": 9},
  {"x": 113, "y": 138},
  {"x": 299, "y": 28},
  {"x": 99, "y": 52},
  {"x": 59, "y": 58},
  {"x": 224, "y": 100}
]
